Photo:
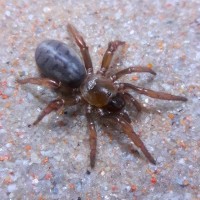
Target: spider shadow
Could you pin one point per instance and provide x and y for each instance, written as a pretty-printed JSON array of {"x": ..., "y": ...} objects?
[
  {"x": 42, "y": 95},
  {"x": 160, "y": 108}
]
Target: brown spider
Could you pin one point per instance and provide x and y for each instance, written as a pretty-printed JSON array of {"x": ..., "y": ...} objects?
[{"x": 64, "y": 71}]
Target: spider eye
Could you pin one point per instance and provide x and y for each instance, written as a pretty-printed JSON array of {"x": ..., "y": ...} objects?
[{"x": 108, "y": 94}]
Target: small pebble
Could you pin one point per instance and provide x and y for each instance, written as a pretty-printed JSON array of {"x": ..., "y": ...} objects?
[
  {"x": 12, "y": 188},
  {"x": 46, "y": 9},
  {"x": 55, "y": 190},
  {"x": 88, "y": 172},
  {"x": 8, "y": 91},
  {"x": 2, "y": 131},
  {"x": 181, "y": 161},
  {"x": 102, "y": 173},
  {"x": 35, "y": 181},
  {"x": 35, "y": 158},
  {"x": 7, "y": 13}
]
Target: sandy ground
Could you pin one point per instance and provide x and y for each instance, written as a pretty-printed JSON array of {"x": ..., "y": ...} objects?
[{"x": 51, "y": 160}]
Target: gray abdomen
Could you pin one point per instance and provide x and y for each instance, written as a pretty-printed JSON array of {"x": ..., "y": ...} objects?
[{"x": 57, "y": 61}]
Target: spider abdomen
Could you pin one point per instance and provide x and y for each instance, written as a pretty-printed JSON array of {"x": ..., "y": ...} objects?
[{"x": 59, "y": 62}]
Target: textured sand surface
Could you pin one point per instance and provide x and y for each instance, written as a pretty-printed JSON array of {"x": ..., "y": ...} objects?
[{"x": 51, "y": 160}]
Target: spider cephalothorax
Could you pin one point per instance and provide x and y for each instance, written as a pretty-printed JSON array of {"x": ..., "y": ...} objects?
[{"x": 63, "y": 70}]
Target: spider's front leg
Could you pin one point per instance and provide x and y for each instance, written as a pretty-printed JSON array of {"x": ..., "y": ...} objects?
[
  {"x": 130, "y": 70},
  {"x": 107, "y": 58},
  {"x": 83, "y": 47},
  {"x": 92, "y": 136}
]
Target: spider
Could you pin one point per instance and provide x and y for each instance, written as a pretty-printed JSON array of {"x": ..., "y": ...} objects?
[{"x": 63, "y": 70}]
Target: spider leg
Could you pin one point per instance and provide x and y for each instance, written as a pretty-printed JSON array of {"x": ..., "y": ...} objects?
[
  {"x": 46, "y": 82},
  {"x": 92, "y": 137},
  {"x": 56, "y": 105},
  {"x": 107, "y": 58},
  {"x": 52, "y": 106},
  {"x": 125, "y": 116},
  {"x": 151, "y": 93},
  {"x": 83, "y": 47},
  {"x": 127, "y": 129},
  {"x": 130, "y": 70},
  {"x": 129, "y": 98}
]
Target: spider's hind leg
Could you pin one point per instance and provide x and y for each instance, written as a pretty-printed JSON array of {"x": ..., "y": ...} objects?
[
  {"x": 130, "y": 70},
  {"x": 127, "y": 129}
]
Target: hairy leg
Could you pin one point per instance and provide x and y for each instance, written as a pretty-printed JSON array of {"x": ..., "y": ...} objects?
[
  {"x": 83, "y": 47},
  {"x": 56, "y": 105},
  {"x": 127, "y": 129},
  {"x": 125, "y": 116},
  {"x": 46, "y": 82},
  {"x": 130, "y": 70},
  {"x": 92, "y": 137},
  {"x": 52, "y": 106},
  {"x": 130, "y": 99},
  {"x": 107, "y": 58},
  {"x": 150, "y": 93}
]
